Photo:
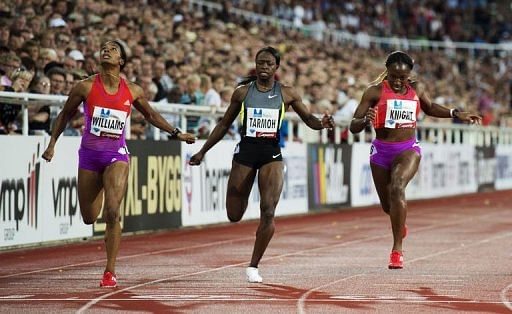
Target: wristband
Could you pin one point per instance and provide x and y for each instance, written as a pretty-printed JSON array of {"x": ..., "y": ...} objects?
[
  {"x": 174, "y": 133},
  {"x": 453, "y": 111}
]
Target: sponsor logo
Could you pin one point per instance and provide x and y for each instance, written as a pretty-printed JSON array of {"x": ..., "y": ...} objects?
[
  {"x": 65, "y": 201},
  {"x": 19, "y": 198},
  {"x": 275, "y": 156},
  {"x": 257, "y": 113},
  {"x": 271, "y": 96}
]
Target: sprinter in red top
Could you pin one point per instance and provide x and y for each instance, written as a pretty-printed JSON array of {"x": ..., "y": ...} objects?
[
  {"x": 392, "y": 104},
  {"x": 103, "y": 156}
]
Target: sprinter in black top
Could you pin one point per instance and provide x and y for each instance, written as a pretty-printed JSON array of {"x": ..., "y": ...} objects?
[{"x": 261, "y": 102}]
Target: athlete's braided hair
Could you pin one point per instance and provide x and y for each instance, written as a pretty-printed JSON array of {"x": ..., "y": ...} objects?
[{"x": 395, "y": 57}]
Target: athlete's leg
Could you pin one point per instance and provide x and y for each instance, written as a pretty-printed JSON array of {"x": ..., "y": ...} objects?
[
  {"x": 270, "y": 183},
  {"x": 115, "y": 178},
  {"x": 382, "y": 179},
  {"x": 90, "y": 194},
  {"x": 403, "y": 170},
  {"x": 240, "y": 184}
]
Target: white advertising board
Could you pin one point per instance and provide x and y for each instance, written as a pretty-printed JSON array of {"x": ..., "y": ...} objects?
[
  {"x": 503, "y": 167},
  {"x": 36, "y": 197},
  {"x": 444, "y": 170},
  {"x": 205, "y": 186},
  {"x": 62, "y": 218}
]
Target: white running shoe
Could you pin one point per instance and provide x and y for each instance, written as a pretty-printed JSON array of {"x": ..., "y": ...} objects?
[{"x": 253, "y": 274}]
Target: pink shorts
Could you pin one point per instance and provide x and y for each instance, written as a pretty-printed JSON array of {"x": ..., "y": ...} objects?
[
  {"x": 94, "y": 160},
  {"x": 384, "y": 153}
]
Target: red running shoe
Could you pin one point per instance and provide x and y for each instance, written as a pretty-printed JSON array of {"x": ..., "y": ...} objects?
[
  {"x": 396, "y": 260},
  {"x": 405, "y": 232},
  {"x": 109, "y": 280}
]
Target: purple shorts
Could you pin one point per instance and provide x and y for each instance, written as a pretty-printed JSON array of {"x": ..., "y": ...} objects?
[
  {"x": 94, "y": 160},
  {"x": 384, "y": 153}
]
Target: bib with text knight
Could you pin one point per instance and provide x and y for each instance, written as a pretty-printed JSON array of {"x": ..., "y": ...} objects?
[
  {"x": 262, "y": 122},
  {"x": 108, "y": 122},
  {"x": 400, "y": 114}
]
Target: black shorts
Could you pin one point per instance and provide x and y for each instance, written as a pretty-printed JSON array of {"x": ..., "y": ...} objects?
[{"x": 256, "y": 155}]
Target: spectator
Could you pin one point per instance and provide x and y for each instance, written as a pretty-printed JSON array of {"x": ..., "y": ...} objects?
[
  {"x": 39, "y": 115},
  {"x": 57, "y": 76},
  {"x": 9, "y": 62}
]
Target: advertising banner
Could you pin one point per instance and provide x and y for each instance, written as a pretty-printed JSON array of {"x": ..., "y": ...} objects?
[
  {"x": 503, "y": 167},
  {"x": 153, "y": 195},
  {"x": 205, "y": 186},
  {"x": 443, "y": 170},
  {"x": 328, "y": 175},
  {"x": 485, "y": 167},
  {"x": 362, "y": 189},
  {"x": 21, "y": 211},
  {"x": 62, "y": 218},
  {"x": 294, "y": 197}
]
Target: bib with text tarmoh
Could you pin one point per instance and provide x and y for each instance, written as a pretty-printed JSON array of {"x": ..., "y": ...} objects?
[
  {"x": 262, "y": 122},
  {"x": 108, "y": 122},
  {"x": 400, "y": 114}
]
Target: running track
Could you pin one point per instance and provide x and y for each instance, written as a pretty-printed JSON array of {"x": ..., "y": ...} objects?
[{"x": 457, "y": 259}]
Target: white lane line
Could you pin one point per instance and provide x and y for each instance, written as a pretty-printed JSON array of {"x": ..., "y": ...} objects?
[
  {"x": 504, "y": 298},
  {"x": 16, "y": 296},
  {"x": 198, "y": 246},
  {"x": 435, "y": 226},
  {"x": 330, "y": 300},
  {"x": 301, "y": 303}
]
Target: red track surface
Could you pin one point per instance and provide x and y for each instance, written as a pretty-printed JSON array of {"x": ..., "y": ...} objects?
[{"x": 457, "y": 259}]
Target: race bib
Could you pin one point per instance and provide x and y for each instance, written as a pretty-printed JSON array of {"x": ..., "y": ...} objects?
[
  {"x": 262, "y": 122},
  {"x": 108, "y": 122},
  {"x": 400, "y": 114}
]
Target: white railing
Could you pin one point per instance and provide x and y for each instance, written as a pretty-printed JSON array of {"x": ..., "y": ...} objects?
[
  {"x": 427, "y": 131},
  {"x": 337, "y": 36}
]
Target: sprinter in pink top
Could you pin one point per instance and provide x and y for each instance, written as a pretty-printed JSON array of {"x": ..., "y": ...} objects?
[
  {"x": 103, "y": 156},
  {"x": 392, "y": 104}
]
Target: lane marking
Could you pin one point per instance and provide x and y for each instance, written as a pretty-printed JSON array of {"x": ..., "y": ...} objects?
[
  {"x": 301, "y": 303},
  {"x": 325, "y": 300},
  {"x": 504, "y": 299},
  {"x": 197, "y": 246},
  {"x": 16, "y": 296},
  {"x": 330, "y": 224},
  {"x": 434, "y": 226}
]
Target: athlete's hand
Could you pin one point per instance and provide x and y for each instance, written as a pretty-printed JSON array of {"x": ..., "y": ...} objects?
[
  {"x": 196, "y": 159},
  {"x": 327, "y": 121},
  {"x": 187, "y": 137},
  {"x": 370, "y": 115},
  {"x": 48, "y": 153},
  {"x": 470, "y": 117}
]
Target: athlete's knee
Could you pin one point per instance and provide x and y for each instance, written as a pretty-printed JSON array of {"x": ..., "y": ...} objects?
[
  {"x": 386, "y": 208},
  {"x": 89, "y": 220},
  {"x": 234, "y": 216},
  {"x": 267, "y": 216},
  {"x": 112, "y": 216},
  {"x": 397, "y": 187}
]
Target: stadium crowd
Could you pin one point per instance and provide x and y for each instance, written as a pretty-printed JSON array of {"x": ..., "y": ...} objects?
[{"x": 182, "y": 53}]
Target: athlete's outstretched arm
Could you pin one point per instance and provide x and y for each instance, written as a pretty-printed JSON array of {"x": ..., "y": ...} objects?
[
  {"x": 155, "y": 118},
  {"x": 432, "y": 109},
  {"x": 365, "y": 113},
  {"x": 75, "y": 98},
  {"x": 292, "y": 98},
  {"x": 223, "y": 126}
]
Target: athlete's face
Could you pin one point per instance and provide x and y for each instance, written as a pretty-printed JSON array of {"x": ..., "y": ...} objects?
[
  {"x": 265, "y": 65},
  {"x": 110, "y": 53},
  {"x": 398, "y": 76}
]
